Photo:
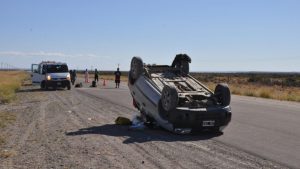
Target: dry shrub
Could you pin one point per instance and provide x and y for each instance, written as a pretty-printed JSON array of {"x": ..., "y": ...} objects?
[
  {"x": 237, "y": 92},
  {"x": 6, "y": 118},
  {"x": 249, "y": 93},
  {"x": 264, "y": 94},
  {"x": 10, "y": 82},
  {"x": 258, "y": 90}
]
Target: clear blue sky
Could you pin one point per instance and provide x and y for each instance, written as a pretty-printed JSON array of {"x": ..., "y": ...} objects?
[{"x": 219, "y": 35}]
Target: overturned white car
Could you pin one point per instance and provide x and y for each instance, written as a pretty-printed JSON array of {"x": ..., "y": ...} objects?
[{"x": 171, "y": 98}]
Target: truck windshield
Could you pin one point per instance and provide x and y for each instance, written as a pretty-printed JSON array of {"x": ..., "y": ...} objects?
[{"x": 57, "y": 68}]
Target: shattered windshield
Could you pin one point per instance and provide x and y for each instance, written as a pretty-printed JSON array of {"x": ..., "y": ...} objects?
[{"x": 57, "y": 68}]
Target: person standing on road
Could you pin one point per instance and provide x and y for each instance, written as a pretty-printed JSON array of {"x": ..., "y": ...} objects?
[
  {"x": 96, "y": 76},
  {"x": 73, "y": 76},
  {"x": 86, "y": 76},
  {"x": 117, "y": 78}
]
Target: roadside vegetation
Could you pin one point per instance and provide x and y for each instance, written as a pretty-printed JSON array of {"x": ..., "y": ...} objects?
[
  {"x": 10, "y": 82},
  {"x": 279, "y": 86}
]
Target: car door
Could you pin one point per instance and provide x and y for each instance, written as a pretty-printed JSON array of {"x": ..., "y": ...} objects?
[{"x": 36, "y": 76}]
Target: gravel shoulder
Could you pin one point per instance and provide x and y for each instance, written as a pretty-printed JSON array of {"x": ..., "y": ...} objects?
[{"x": 72, "y": 129}]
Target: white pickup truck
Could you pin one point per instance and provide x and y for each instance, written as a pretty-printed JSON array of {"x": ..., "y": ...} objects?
[{"x": 51, "y": 74}]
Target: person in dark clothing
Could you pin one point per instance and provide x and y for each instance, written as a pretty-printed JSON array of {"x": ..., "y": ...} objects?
[
  {"x": 71, "y": 73},
  {"x": 117, "y": 78},
  {"x": 96, "y": 76},
  {"x": 73, "y": 76}
]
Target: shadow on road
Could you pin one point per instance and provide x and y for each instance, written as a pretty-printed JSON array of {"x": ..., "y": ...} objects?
[
  {"x": 37, "y": 90},
  {"x": 30, "y": 90},
  {"x": 145, "y": 135}
]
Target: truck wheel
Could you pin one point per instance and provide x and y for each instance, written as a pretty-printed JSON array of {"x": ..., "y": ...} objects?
[
  {"x": 222, "y": 93},
  {"x": 136, "y": 68},
  {"x": 169, "y": 98}
]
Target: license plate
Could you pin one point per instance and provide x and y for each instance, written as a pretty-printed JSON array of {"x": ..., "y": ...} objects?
[
  {"x": 58, "y": 83},
  {"x": 208, "y": 123}
]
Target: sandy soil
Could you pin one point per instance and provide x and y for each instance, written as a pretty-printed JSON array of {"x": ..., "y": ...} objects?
[{"x": 71, "y": 129}]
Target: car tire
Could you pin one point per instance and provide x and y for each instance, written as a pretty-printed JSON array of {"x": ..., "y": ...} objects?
[
  {"x": 43, "y": 85},
  {"x": 181, "y": 62},
  {"x": 169, "y": 98},
  {"x": 185, "y": 68},
  {"x": 69, "y": 87},
  {"x": 222, "y": 93},
  {"x": 136, "y": 68}
]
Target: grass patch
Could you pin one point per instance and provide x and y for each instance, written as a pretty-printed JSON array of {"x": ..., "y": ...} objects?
[
  {"x": 249, "y": 93},
  {"x": 10, "y": 82},
  {"x": 265, "y": 94},
  {"x": 270, "y": 92},
  {"x": 5, "y": 119}
]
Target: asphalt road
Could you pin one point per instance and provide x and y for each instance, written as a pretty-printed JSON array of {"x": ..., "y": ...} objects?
[{"x": 266, "y": 128}]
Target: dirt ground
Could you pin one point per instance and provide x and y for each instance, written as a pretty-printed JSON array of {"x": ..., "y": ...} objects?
[{"x": 72, "y": 129}]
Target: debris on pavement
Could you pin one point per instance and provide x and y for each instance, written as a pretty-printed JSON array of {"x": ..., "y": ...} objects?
[
  {"x": 123, "y": 121},
  {"x": 78, "y": 85},
  {"x": 94, "y": 84},
  {"x": 137, "y": 123}
]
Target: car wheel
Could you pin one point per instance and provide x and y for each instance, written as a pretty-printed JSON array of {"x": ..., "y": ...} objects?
[
  {"x": 43, "y": 85},
  {"x": 185, "y": 69},
  {"x": 69, "y": 87},
  {"x": 169, "y": 98},
  {"x": 136, "y": 68},
  {"x": 222, "y": 93}
]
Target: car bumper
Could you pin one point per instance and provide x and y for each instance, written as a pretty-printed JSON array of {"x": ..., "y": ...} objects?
[
  {"x": 200, "y": 119},
  {"x": 58, "y": 83}
]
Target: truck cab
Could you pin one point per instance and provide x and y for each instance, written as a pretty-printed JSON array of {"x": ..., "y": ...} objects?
[{"x": 51, "y": 74}]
